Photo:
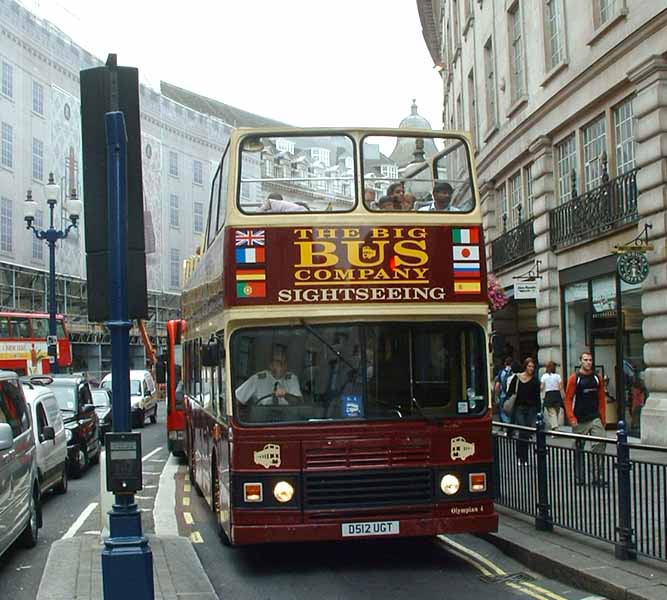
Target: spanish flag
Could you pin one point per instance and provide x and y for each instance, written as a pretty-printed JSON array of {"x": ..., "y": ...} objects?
[{"x": 467, "y": 287}]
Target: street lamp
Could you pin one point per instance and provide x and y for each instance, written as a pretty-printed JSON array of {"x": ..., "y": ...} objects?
[{"x": 52, "y": 235}]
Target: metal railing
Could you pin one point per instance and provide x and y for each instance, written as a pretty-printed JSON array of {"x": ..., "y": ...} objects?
[
  {"x": 618, "y": 495},
  {"x": 596, "y": 212},
  {"x": 513, "y": 245}
]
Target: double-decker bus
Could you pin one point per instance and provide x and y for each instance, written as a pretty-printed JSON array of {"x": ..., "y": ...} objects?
[
  {"x": 23, "y": 342},
  {"x": 335, "y": 362},
  {"x": 173, "y": 367}
]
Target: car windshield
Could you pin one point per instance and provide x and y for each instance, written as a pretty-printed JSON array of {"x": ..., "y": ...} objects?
[
  {"x": 100, "y": 398},
  {"x": 364, "y": 371},
  {"x": 66, "y": 397},
  {"x": 135, "y": 386}
]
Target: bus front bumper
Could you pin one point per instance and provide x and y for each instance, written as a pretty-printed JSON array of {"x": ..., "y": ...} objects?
[{"x": 419, "y": 527}]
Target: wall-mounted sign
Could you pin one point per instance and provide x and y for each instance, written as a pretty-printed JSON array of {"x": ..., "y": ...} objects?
[
  {"x": 525, "y": 290},
  {"x": 632, "y": 267}
]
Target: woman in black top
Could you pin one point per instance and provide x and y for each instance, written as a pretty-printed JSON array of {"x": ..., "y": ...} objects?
[{"x": 526, "y": 405}]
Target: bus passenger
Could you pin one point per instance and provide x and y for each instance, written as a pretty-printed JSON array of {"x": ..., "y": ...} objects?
[
  {"x": 396, "y": 191},
  {"x": 274, "y": 203},
  {"x": 408, "y": 201},
  {"x": 275, "y": 385},
  {"x": 369, "y": 198},
  {"x": 442, "y": 198},
  {"x": 386, "y": 203}
]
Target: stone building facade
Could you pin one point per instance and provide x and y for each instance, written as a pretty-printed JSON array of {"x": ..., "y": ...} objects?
[
  {"x": 183, "y": 136},
  {"x": 566, "y": 102}
]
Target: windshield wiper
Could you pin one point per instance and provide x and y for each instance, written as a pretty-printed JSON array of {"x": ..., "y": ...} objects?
[
  {"x": 420, "y": 412},
  {"x": 312, "y": 331}
]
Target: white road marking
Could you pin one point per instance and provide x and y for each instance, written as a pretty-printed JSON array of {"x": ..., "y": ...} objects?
[
  {"x": 150, "y": 472},
  {"x": 71, "y": 532},
  {"x": 136, "y": 497},
  {"x": 151, "y": 453},
  {"x": 164, "y": 515},
  {"x": 92, "y": 532}
]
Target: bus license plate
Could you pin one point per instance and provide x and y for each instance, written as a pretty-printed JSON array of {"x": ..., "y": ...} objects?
[{"x": 370, "y": 528}]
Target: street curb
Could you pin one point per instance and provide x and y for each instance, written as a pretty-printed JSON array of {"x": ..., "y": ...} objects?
[{"x": 553, "y": 568}]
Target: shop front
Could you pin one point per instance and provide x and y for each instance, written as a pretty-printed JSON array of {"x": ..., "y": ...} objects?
[{"x": 602, "y": 314}]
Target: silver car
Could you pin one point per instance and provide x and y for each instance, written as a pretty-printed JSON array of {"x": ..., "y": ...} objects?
[{"x": 20, "y": 512}]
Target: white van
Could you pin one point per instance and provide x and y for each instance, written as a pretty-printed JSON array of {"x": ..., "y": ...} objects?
[
  {"x": 50, "y": 438},
  {"x": 143, "y": 395}
]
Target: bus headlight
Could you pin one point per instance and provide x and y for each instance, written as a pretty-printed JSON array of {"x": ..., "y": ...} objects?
[
  {"x": 68, "y": 434},
  {"x": 450, "y": 484},
  {"x": 283, "y": 491}
]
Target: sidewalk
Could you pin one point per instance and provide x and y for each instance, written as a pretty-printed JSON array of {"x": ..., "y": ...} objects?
[
  {"x": 578, "y": 560},
  {"x": 74, "y": 570}
]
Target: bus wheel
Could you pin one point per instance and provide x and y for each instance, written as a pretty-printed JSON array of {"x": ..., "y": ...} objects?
[{"x": 217, "y": 505}]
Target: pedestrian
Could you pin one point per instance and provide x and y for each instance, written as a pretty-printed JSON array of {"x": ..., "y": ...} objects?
[
  {"x": 500, "y": 388},
  {"x": 552, "y": 388},
  {"x": 526, "y": 405},
  {"x": 585, "y": 405}
]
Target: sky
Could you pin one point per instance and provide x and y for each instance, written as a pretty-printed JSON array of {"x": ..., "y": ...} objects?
[{"x": 302, "y": 62}]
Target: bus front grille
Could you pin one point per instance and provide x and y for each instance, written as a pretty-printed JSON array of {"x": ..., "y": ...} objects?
[
  {"x": 367, "y": 488},
  {"x": 356, "y": 455}
]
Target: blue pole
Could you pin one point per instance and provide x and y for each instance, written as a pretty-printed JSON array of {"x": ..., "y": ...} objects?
[{"x": 127, "y": 560}]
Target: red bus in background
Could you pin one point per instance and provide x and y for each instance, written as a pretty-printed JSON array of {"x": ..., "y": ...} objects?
[
  {"x": 175, "y": 404},
  {"x": 23, "y": 342}
]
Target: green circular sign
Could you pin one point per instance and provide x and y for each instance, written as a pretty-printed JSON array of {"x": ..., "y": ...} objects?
[{"x": 633, "y": 267}]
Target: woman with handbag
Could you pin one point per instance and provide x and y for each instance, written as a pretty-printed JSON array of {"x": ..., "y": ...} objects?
[{"x": 525, "y": 388}]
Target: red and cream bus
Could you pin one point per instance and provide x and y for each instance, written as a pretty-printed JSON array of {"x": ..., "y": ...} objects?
[
  {"x": 23, "y": 343},
  {"x": 335, "y": 362}
]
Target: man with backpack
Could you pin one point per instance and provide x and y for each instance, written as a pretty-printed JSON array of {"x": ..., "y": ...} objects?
[
  {"x": 585, "y": 405},
  {"x": 501, "y": 386}
]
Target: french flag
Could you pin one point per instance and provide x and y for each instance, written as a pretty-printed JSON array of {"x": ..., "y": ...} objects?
[{"x": 250, "y": 255}]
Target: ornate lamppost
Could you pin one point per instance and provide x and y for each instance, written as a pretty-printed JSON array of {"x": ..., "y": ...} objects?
[{"x": 52, "y": 235}]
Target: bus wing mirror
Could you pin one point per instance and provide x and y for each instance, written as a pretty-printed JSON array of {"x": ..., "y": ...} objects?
[{"x": 210, "y": 355}]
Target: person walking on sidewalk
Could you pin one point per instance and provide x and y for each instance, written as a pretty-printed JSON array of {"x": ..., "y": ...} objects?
[
  {"x": 585, "y": 405},
  {"x": 526, "y": 405},
  {"x": 552, "y": 387},
  {"x": 500, "y": 388}
]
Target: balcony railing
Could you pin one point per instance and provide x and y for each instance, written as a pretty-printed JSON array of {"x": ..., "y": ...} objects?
[
  {"x": 513, "y": 245},
  {"x": 596, "y": 212}
]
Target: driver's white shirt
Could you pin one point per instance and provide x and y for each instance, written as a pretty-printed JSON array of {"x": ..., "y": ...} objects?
[{"x": 263, "y": 383}]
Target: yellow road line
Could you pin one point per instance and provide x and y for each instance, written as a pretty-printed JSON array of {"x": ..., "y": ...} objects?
[
  {"x": 186, "y": 500},
  {"x": 188, "y": 518},
  {"x": 196, "y": 538},
  {"x": 484, "y": 565},
  {"x": 186, "y": 488}
]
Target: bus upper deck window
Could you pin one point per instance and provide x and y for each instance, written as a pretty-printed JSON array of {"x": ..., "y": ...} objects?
[{"x": 4, "y": 327}]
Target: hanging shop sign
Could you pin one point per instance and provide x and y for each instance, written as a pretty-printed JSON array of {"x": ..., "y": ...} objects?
[
  {"x": 632, "y": 263},
  {"x": 525, "y": 290}
]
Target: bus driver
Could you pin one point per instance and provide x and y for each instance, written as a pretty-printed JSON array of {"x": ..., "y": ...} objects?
[{"x": 275, "y": 385}]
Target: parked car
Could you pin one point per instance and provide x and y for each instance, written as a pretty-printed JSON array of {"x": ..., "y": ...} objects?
[
  {"x": 102, "y": 402},
  {"x": 143, "y": 396},
  {"x": 20, "y": 508},
  {"x": 50, "y": 438},
  {"x": 81, "y": 423}
]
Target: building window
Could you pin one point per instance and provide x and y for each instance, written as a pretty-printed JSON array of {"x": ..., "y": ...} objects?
[
  {"x": 7, "y": 152},
  {"x": 7, "y": 80},
  {"x": 198, "y": 217},
  {"x": 516, "y": 201},
  {"x": 37, "y": 159},
  {"x": 173, "y": 163},
  {"x": 37, "y": 98},
  {"x": 173, "y": 210},
  {"x": 516, "y": 51},
  {"x": 174, "y": 268},
  {"x": 38, "y": 245},
  {"x": 528, "y": 176},
  {"x": 625, "y": 137},
  {"x": 554, "y": 33},
  {"x": 567, "y": 163},
  {"x": 457, "y": 25},
  {"x": 595, "y": 143},
  {"x": 472, "y": 108},
  {"x": 604, "y": 11},
  {"x": 198, "y": 172},
  {"x": 5, "y": 225},
  {"x": 501, "y": 207},
  {"x": 490, "y": 76}
]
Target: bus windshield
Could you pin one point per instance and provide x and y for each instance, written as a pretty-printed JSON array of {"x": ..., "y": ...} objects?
[{"x": 392, "y": 370}]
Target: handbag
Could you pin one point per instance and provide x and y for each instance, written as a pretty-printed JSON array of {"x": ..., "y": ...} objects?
[{"x": 508, "y": 405}]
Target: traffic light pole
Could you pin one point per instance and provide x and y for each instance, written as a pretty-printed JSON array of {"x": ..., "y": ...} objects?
[{"x": 127, "y": 560}]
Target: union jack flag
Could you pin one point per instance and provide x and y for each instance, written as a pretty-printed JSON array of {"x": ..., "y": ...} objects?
[{"x": 250, "y": 237}]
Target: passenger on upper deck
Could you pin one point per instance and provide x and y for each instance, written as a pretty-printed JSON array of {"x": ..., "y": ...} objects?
[
  {"x": 408, "y": 201},
  {"x": 274, "y": 203},
  {"x": 369, "y": 198},
  {"x": 442, "y": 198},
  {"x": 396, "y": 191},
  {"x": 275, "y": 385}
]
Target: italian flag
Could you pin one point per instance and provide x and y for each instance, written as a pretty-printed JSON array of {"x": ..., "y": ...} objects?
[{"x": 465, "y": 236}]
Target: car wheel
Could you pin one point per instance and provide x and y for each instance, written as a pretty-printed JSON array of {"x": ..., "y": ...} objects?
[
  {"x": 80, "y": 464},
  {"x": 141, "y": 419},
  {"x": 61, "y": 488},
  {"x": 30, "y": 534},
  {"x": 154, "y": 416}
]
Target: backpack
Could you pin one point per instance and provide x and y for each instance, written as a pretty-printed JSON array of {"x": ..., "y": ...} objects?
[{"x": 504, "y": 378}]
